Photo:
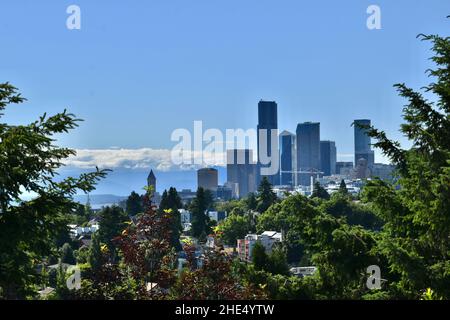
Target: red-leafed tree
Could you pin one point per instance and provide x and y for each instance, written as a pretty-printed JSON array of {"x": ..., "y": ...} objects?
[
  {"x": 147, "y": 252},
  {"x": 214, "y": 279}
]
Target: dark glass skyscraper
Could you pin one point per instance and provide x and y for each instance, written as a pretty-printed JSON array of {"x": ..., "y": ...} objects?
[
  {"x": 362, "y": 143},
  {"x": 328, "y": 157},
  {"x": 268, "y": 119},
  {"x": 287, "y": 158},
  {"x": 308, "y": 151}
]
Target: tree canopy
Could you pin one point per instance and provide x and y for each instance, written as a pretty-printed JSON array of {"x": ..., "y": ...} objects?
[{"x": 29, "y": 162}]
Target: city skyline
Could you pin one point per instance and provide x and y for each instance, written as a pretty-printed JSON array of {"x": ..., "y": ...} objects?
[
  {"x": 249, "y": 151},
  {"x": 211, "y": 74}
]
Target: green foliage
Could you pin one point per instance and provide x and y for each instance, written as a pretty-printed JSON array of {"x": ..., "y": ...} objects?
[
  {"x": 29, "y": 160},
  {"x": 67, "y": 255},
  {"x": 266, "y": 197},
  {"x": 319, "y": 192},
  {"x": 95, "y": 256},
  {"x": 251, "y": 201},
  {"x": 236, "y": 206},
  {"x": 292, "y": 216},
  {"x": 429, "y": 295},
  {"x": 416, "y": 215},
  {"x": 170, "y": 204},
  {"x": 234, "y": 227},
  {"x": 343, "y": 187},
  {"x": 200, "y": 221},
  {"x": 277, "y": 262},
  {"x": 342, "y": 206},
  {"x": 111, "y": 224},
  {"x": 259, "y": 256},
  {"x": 217, "y": 279},
  {"x": 82, "y": 255},
  {"x": 134, "y": 204}
]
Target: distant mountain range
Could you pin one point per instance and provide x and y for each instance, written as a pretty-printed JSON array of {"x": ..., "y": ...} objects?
[
  {"x": 119, "y": 183},
  {"x": 99, "y": 200}
]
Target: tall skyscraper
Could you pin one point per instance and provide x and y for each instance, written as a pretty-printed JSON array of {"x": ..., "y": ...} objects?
[
  {"x": 328, "y": 157},
  {"x": 308, "y": 151},
  {"x": 287, "y": 158},
  {"x": 268, "y": 120},
  {"x": 208, "y": 179},
  {"x": 363, "y": 149},
  {"x": 241, "y": 171}
]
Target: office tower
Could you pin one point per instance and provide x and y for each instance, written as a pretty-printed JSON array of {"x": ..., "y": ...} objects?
[
  {"x": 151, "y": 180},
  {"x": 361, "y": 170},
  {"x": 241, "y": 171},
  {"x": 287, "y": 158},
  {"x": 224, "y": 193},
  {"x": 328, "y": 157},
  {"x": 363, "y": 148},
  {"x": 268, "y": 120},
  {"x": 344, "y": 168},
  {"x": 308, "y": 152},
  {"x": 208, "y": 179}
]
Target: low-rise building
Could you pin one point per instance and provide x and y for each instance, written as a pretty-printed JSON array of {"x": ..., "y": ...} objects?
[
  {"x": 185, "y": 215},
  {"x": 224, "y": 193},
  {"x": 77, "y": 231},
  {"x": 268, "y": 239}
]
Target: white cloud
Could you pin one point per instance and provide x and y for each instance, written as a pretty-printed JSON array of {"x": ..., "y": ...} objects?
[
  {"x": 143, "y": 158},
  {"x": 159, "y": 159}
]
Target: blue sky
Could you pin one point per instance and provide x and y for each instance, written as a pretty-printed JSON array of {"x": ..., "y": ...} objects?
[{"x": 137, "y": 70}]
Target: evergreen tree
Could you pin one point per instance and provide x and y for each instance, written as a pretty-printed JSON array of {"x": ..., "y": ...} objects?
[
  {"x": 277, "y": 261},
  {"x": 343, "y": 187},
  {"x": 415, "y": 237},
  {"x": 134, "y": 204},
  {"x": 95, "y": 257},
  {"x": 170, "y": 205},
  {"x": 251, "y": 201},
  {"x": 319, "y": 192},
  {"x": 266, "y": 196},
  {"x": 67, "y": 254},
  {"x": 111, "y": 224},
  {"x": 259, "y": 256},
  {"x": 30, "y": 160},
  {"x": 200, "y": 220}
]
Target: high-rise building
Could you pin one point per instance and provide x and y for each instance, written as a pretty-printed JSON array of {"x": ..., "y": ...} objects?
[
  {"x": 308, "y": 152},
  {"x": 268, "y": 120},
  {"x": 224, "y": 193},
  {"x": 208, "y": 179},
  {"x": 363, "y": 148},
  {"x": 287, "y": 158},
  {"x": 361, "y": 170},
  {"x": 344, "y": 168},
  {"x": 241, "y": 171},
  {"x": 328, "y": 157},
  {"x": 151, "y": 180}
]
